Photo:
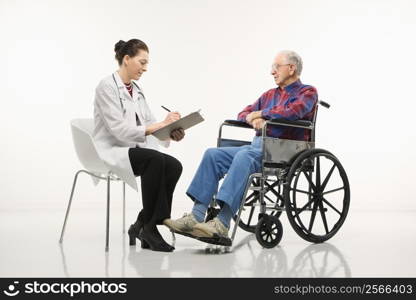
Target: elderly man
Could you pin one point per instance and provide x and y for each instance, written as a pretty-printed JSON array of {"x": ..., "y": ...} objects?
[{"x": 291, "y": 100}]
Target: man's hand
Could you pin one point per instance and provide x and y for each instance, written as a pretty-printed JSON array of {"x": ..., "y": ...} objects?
[
  {"x": 177, "y": 134},
  {"x": 252, "y": 116},
  {"x": 258, "y": 123}
]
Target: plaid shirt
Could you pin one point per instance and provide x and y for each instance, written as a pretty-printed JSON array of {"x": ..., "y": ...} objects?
[{"x": 295, "y": 102}]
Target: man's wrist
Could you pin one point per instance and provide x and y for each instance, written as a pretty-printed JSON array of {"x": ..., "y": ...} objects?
[{"x": 258, "y": 114}]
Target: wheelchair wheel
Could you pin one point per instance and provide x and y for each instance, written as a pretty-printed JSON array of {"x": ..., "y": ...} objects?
[
  {"x": 250, "y": 215},
  {"x": 269, "y": 231},
  {"x": 317, "y": 195}
]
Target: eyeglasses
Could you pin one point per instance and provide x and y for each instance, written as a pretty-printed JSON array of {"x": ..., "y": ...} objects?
[{"x": 275, "y": 67}]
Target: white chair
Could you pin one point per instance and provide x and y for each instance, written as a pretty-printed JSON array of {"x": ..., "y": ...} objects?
[{"x": 87, "y": 154}]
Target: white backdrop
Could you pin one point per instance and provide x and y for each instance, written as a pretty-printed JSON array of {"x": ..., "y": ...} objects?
[{"x": 213, "y": 55}]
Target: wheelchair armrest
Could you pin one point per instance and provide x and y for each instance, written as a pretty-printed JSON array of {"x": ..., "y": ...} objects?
[
  {"x": 237, "y": 123},
  {"x": 229, "y": 142},
  {"x": 298, "y": 123}
]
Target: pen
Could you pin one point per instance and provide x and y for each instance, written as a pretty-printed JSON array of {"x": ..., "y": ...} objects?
[{"x": 165, "y": 108}]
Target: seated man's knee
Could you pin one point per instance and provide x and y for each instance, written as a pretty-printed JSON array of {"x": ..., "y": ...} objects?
[
  {"x": 247, "y": 156},
  {"x": 210, "y": 153}
]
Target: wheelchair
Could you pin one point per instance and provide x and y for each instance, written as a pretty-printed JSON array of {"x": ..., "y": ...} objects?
[{"x": 308, "y": 183}]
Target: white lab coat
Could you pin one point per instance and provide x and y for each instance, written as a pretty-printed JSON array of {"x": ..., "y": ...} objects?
[{"x": 116, "y": 129}]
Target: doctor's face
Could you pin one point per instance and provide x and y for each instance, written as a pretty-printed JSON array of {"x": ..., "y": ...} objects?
[{"x": 137, "y": 65}]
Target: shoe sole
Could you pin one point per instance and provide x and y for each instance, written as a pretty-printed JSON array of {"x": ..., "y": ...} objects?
[
  {"x": 188, "y": 234},
  {"x": 215, "y": 239}
]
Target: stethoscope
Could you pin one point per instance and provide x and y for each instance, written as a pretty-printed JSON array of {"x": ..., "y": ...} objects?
[{"x": 121, "y": 99}]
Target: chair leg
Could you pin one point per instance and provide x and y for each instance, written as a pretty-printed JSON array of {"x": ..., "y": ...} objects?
[
  {"x": 124, "y": 207},
  {"x": 108, "y": 214},
  {"x": 69, "y": 206}
]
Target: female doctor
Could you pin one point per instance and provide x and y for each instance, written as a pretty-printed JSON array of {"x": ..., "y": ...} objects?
[{"x": 122, "y": 134}]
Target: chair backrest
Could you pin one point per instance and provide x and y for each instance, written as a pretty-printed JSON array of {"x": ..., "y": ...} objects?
[{"x": 82, "y": 130}]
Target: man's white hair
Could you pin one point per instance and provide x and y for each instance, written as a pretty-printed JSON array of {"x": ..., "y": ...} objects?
[{"x": 293, "y": 58}]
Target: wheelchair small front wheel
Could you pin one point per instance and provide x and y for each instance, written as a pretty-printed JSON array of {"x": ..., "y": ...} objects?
[
  {"x": 272, "y": 196},
  {"x": 269, "y": 231}
]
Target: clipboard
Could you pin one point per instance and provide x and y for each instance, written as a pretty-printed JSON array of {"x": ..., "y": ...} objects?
[{"x": 186, "y": 122}]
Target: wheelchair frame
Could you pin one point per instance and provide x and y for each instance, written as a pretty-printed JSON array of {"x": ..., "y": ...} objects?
[{"x": 283, "y": 158}]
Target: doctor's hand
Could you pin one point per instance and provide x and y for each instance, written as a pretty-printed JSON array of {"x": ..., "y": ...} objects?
[
  {"x": 258, "y": 123},
  {"x": 172, "y": 117},
  {"x": 177, "y": 134}
]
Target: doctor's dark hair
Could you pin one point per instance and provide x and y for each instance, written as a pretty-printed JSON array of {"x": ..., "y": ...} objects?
[{"x": 130, "y": 48}]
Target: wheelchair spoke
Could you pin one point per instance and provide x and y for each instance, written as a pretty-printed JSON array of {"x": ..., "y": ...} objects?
[
  {"x": 321, "y": 210},
  {"x": 308, "y": 177},
  {"x": 303, "y": 208},
  {"x": 312, "y": 220},
  {"x": 332, "y": 191},
  {"x": 301, "y": 191},
  {"x": 331, "y": 206},
  {"x": 318, "y": 171},
  {"x": 328, "y": 176}
]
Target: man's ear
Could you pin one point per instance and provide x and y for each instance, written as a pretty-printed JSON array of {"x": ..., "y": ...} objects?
[{"x": 292, "y": 70}]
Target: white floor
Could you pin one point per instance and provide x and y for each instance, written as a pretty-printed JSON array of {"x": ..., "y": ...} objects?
[{"x": 370, "y": 244}]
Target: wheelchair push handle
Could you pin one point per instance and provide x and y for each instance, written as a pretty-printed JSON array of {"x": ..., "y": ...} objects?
[{"x": 324, "y": 104}]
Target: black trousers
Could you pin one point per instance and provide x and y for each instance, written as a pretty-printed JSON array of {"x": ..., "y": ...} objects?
[{"x": 159, "y": 174}]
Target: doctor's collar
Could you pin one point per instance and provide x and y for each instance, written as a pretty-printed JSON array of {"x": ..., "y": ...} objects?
[
  {"x": 118, "y": 80},
  {"x": 120, "y": 83}
]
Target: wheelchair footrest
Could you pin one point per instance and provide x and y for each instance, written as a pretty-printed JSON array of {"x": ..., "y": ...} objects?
[{"x": 216, "y": 239}]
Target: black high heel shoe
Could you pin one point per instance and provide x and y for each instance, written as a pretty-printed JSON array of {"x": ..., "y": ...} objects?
[
  {"x": 154, "y": 240},
  {"x": 134, "y": 233}
]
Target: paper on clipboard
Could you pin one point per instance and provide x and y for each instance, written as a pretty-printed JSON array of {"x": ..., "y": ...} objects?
[{"x": 186, "y": 122}]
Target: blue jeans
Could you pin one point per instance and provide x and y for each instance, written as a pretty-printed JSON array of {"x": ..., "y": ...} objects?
[{"x": 237, "y": 162}]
